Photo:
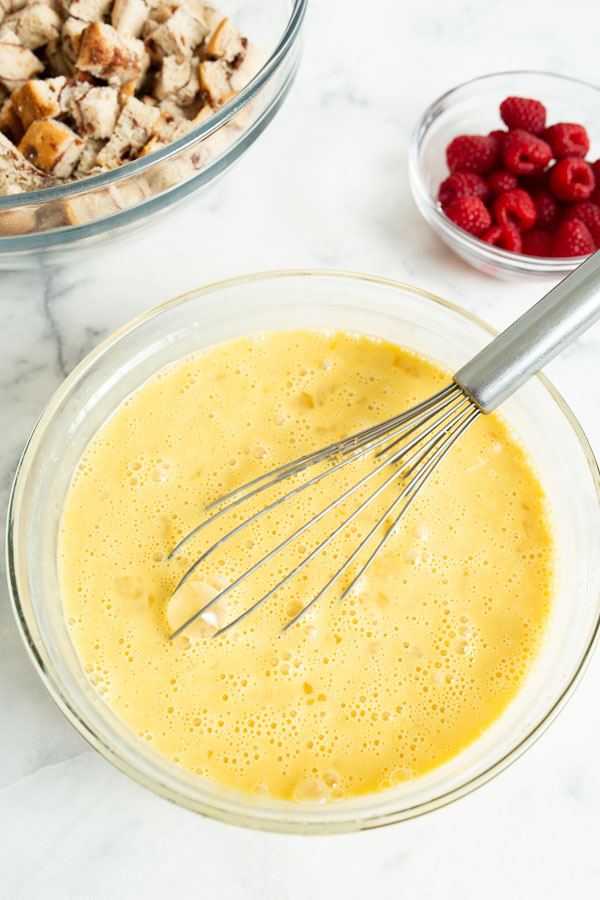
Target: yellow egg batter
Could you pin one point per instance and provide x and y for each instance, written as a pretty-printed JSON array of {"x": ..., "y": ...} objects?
[{"x": 356, "y": 697}]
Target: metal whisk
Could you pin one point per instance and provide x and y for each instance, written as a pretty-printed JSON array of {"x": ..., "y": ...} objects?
[{"x": 413, "y": 443}]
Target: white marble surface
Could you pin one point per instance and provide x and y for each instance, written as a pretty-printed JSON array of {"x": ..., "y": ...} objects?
[{"x": 326, "y": 185}]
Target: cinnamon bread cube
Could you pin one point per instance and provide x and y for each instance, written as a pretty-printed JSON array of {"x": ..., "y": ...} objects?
[
  {"x": 132, "y": 131},
  {"x": 35, "y": 24},
  {"x": 108, "y": 55},
  {"x": 178, "y": 36},
  {"x": 10, "y": 123},
  {"x": 128, "y": 16},
  {"x": 87, "y": 10},
  {"x": 94, "y": 110},
  {"x": 17, "y": 62},
  {"x": 39, "y": 99},
  {"x": 51, "y": 146},
  {"x": 16, "y": 173}
]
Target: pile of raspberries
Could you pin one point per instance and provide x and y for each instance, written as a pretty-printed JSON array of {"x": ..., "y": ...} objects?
[{"x": 528, "y": 189}]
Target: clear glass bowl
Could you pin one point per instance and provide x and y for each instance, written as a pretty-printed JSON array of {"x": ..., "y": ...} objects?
[
  {"x": 47, "y": 226},
  {"x": 281, "y": 300},
  {"x": 473, "y": 108}
]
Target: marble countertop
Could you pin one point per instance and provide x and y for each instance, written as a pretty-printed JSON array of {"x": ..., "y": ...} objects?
[{"x": 326, "y": 185}]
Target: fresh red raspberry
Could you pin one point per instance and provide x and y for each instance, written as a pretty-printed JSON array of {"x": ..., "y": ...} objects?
[
  {"x": 519, "y": 112},
  {"x": 462, "y": 184},
  {"x": 515, "y": 208},
  {"x": 596, "y": 170},
  {"x": 507, "y": 237},
  {"x": 567, "y": 139},
  {"x": 546, "y": 206},
  {"x": 537, "y": 242},
  {"x": 499, "y": 136},
  {"x": 572, "y": 238},
  {"x": 524, "y": 154},
  {"x": 572, "y": 179},
  {"x": 588, "y": 213},
  {"x": 595, "y": 198},
  {"x": 500, "y": 181},
  {"x": 470, "y": 214},
  {"x": 472, "y": 153}
]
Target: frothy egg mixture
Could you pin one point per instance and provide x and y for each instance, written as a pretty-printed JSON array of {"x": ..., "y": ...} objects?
[{"x": 357, "y": 697}]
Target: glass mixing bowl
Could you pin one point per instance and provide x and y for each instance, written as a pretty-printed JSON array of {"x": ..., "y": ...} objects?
[
  {"x": 49, "y": 225},
  {"x": 281, "y": 300},
  {"x": 473, "y": 108}
]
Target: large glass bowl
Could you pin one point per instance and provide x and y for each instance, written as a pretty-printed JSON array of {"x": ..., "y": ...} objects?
[
  {"x": 47, "y": 226},
  {"x": 281, "y": 300},
  {"x": 473, "y": 108}
]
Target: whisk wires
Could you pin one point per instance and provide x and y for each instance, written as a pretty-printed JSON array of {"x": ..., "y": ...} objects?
[{"x": 420, "y": 438}]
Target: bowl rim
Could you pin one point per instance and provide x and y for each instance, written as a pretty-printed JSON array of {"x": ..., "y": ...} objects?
[
  {"x": 258, "y": 819},
  {"x": 196, "y": 134},
  {"x": 516, "y": 262}
]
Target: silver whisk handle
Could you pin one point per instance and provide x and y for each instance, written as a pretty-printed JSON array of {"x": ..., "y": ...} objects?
[{"x": 535, "y": 338}]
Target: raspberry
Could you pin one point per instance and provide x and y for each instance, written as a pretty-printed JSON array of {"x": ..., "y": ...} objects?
[
  {"x": 515, "y": 208},
  {"x": 547, "y": 208},
  {"x": 507, "y": 237},
  {"x": 524, "y": 154},
  {"x": 500, "y": 181},
  {"x": 572, "y": 238},
  {"x": 595, "y": 198},
  {"x": 596, "y": 170},
  {"x": 567, "y": 139},
  {"x": 472, "y": 153},
  {"x": 588, "y": 213},
  {"x": 462, "y": 184},
  {"x": 470, "y": 214},
  {"x": 572, "y": 179},
  {"x": 537, "y": 242},
  {"x": 519, "y": 112},
  {"x": 499, "y": 137}
]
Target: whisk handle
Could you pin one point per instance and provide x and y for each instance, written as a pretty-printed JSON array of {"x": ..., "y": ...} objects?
[{"x": 535, "y": 338}]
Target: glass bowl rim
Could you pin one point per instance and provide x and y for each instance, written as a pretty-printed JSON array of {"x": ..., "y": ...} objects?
[
  {"x": 196, "y": 134},
  {"x": 516, "y": 262},
  {"x": 298, "y": 821}
]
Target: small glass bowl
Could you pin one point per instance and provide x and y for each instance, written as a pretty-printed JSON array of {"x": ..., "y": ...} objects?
[
  {"x": 473, "y": 108},
  {"x": 275, "y": 301},
  {"x": 50, "y": 225}
]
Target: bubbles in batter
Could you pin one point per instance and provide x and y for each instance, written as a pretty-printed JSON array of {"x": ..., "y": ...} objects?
[{"x": 365, "y": 696}]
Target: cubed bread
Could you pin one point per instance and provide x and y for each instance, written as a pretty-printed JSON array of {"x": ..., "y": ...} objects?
[
  {"x": 106, "y": 96},
  {"x": 56, "y": 64},
  {"x": 226, "y": 43},
  {"x": 128, "y": 16},
  {"x": 70, "y": 40},
  {"x": 178, "y": 36},
  {"x": 177, "y": 79},
  {"x": 35, "y": 25},
  {"x": 88, "y": 158},
  {"x": 17, "y": 62},
  {"x": 247, "y": 67},
  {"x": 108, "y": 55},
  {"x": 132, "y": 131},
  {"x": 210, "y": 14},
  {"x": 84, "y": 208},
  {"x": 10, "y": 123},
  {"x": 215, "y": 81},
  {"x": 40, "y": 99},
  {"x": 51, "y": 146},
  {"x": 16, "y": 173},
  {"x": 87, "y": 10},
  {"x": 94, "y": 109},
  {"x": 172, "y": 124}
]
